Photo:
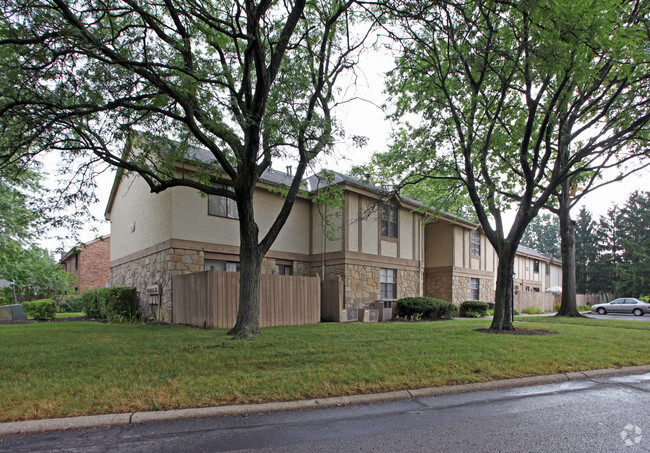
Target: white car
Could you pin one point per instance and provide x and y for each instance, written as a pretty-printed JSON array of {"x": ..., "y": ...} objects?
[{"x": 623, "y": 305}]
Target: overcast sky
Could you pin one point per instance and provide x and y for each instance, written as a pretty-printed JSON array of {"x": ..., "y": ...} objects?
[{"x": 364, "y": 117}]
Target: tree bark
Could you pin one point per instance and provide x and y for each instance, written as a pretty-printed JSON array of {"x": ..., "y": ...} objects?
[
  {"x": 503, "y": 298},
  {"x": 251, "y": 256},
  {"x": 569, "y": 306}
]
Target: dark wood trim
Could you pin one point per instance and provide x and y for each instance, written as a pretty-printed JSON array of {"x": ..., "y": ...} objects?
[{"x": 207, "y": 248}]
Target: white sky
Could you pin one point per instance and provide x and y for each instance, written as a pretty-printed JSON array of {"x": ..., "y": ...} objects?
[{"x": 365, "y": 118}]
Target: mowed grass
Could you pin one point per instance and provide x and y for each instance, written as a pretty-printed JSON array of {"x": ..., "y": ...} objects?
[{"x": 78, "y": 368}]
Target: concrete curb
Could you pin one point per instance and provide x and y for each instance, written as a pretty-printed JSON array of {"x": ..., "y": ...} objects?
[{"x": 92, "y": 421}]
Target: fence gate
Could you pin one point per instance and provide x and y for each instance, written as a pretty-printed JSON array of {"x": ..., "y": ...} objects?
[{"x": 331, "y": 299}]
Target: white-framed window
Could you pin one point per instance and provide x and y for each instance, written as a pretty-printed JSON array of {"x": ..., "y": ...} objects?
[
  {"x": 475, "y": 243},
  {"x": 222, "y": 206},
  {"x": 548, "y": 269},
  {"x": 536, "y": 266},
  {"x": 283, "y": 269},
  {"x": 389, "y": 221},
  {"x": 388, "y": 283},
  {"x": 474, "y": 285},
  {"x": 221, "y": 265}
]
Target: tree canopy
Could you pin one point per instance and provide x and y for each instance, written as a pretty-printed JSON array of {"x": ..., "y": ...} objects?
[
  {"x": 248, "y": 81},
  {"x": 517, "y": 99}
]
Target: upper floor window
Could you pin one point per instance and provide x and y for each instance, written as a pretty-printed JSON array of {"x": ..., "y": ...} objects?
[
  {"x": 388, "y": 283},
  {"x": 389, "y": 221},
  {"x": 222, "y": 206},
  {"x": 548, "y": 269},
  {"x": 536, "y": 266},
  {"x": 475, "y": 243}
]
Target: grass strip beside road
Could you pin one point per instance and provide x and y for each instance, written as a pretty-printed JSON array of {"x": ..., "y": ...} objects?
[
  {"x": 588, "y": 322},
  {"x": 52, "y": 370}
]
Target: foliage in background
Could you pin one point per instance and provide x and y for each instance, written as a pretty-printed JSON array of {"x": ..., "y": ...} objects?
[
  {"x": 443, "y": 194},
  {"x": 35, "y": 271},
  {"x": 613, "y": 252},
  {"x": 41, "y": 310},
  {"x": 71, "y": 304},
  {"x": 516, "y": 99},
  {"x": 543, "y": 234},
  {"x": 228, "y": 86}
]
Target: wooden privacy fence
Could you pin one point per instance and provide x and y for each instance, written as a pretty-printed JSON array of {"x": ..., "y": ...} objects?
[
  {"x": 210, "y": 299},
  {"x": 527, "y": 299},
  {"x": 332, "y": 293}
]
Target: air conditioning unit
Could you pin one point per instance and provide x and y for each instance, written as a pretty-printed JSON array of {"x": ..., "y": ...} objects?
[
  {"x": 385, "y": 308},
  {"x": 349, "y": 314},
  {"x": 368, "y": 315}
]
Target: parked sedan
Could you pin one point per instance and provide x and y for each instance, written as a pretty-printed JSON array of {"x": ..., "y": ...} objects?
[{"x": 624, "y": 305}]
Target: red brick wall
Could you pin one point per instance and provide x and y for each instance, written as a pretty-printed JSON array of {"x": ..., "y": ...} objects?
[
  {"x": 94, "y": 265},
  {"x": 93, "y": 269}
]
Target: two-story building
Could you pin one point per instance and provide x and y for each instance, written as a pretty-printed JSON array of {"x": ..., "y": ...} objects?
[{"x": 383, "y": 246}]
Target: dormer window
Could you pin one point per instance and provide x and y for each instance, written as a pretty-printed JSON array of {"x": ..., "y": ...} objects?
[{"x": 389, "y": 221}]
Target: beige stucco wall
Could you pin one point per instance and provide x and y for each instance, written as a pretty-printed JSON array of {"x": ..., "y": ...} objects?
[
  {"x": 190, "y": 221},
  {"x": 334, "y": 216},
  {"x": 369, "y": 227},
  {"x": 134, "y": 202},
  {"x": 352, "y": 207},
  {"x": 406, "y": 236},
  {"x": 438, "y": 244}
]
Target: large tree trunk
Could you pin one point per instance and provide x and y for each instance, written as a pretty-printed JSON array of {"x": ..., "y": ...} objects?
[
  {"x": 503, "y": 298},
  {"x": 250, "y": 256},
  {"x": 569, "y": 305}
]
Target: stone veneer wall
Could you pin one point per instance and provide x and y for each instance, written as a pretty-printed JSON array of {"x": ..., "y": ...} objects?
[
  {"x": 362, "y": 284},
  {"x": 462, "y": 291},
  {"x": 157, "y": 268},
  {"x": 455, "y": 288},
  {"x": 438, "y": 285}
]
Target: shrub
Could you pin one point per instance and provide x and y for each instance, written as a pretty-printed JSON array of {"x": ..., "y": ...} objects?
[
  {"x": 533, "y": 311},
  {"x": 473, "y": 309},
  {"x": 490, "y": 312},
  {"x": 119, "y": 303},
  {"x": 584, "y": 307},
  {"x": 515, "y": 311},
  {"x": 557, "y": 307},
  {"x": 90, "y": 303},
  {"x": 42, "y": 309},
  {"x": 427, "y": 307},
  {"x": 70, "y": 305}
]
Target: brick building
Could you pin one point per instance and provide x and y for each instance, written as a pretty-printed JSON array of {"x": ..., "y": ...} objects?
[{"x": 90, "y": 263}]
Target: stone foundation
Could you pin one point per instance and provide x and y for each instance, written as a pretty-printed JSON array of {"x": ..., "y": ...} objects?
[
  {"x": 455, "y": 288},
  {"x": 362, "y": 283},
  {"x": 157, "y": 268}
]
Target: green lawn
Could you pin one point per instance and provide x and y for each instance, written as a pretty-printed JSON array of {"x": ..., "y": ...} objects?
[{"x": 78, "y": 368}]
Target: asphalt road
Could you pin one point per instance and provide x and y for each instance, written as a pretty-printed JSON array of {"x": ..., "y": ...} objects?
[
  {"x": 620, "y": 317},
  {"x": 591, "y": 415}
]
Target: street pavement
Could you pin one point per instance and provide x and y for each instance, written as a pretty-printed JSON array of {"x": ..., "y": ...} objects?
[{"x": 586, "y": 412}]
